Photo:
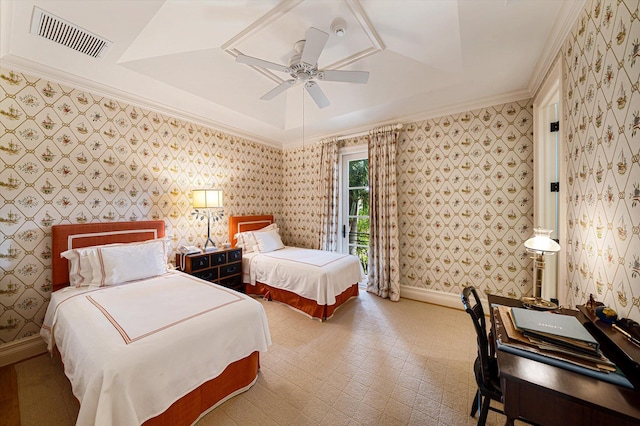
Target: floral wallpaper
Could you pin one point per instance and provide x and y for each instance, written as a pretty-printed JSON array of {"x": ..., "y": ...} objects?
[
  {"x": 69, "y": 156},
  {"x": 465, "y": 201},
  {"x": 464, "y": 196},
  {"x": 601, "y": 69},
  {"x": 464, "y": 180}
]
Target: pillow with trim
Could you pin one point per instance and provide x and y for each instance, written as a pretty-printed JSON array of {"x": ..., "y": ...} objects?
[
  {"x": 269, "y": 241},
  {"x": 121, "y": 263},
  {"x": 247, "y": 240}
]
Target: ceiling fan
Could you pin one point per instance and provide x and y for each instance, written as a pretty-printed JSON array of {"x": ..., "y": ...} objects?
[{"x": 303, "y": 68}]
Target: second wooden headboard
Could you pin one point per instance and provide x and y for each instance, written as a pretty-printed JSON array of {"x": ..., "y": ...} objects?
[{"x": 247, "y": 223}]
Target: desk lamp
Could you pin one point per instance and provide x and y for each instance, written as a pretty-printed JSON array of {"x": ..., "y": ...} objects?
[
  {"x": 208, "y": 203},
  {"x": 539, "y": 245}
]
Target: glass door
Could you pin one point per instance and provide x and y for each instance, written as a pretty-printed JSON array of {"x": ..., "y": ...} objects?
[{"x": 354, "y": 206}]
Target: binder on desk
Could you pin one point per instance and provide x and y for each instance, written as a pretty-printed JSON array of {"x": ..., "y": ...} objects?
[
  {"x": 563, "y": 330},
  {"x": 508, "y": 340}
]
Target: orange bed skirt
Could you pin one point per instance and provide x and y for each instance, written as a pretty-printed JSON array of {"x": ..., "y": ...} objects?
[
  {"x": 307, "y": 306},
  {"x": 186, "y": 410}
]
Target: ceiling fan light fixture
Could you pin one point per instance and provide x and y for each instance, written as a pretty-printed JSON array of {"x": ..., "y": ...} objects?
[
  {"x": 339, "y": 27},
  {"x": 303, "y": 68}
]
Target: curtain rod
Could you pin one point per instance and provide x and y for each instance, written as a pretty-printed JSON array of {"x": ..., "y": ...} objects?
[{"x": 396, "y": 126}]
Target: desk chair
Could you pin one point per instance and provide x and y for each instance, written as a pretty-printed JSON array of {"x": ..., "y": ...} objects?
[{"x": 485, "y": 367}]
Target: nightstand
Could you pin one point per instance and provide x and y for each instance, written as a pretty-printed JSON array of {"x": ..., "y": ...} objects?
[{"x": 222, "y": 267}]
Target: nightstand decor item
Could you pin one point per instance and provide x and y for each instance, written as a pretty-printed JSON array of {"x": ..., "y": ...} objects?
[
  {"x": 207, "y": 203},
  {"x": 539, "y": 245}
]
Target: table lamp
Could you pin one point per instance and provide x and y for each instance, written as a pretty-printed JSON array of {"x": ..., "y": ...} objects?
[
  {"x": 539, "y": 245},
  {"x": 208, "y": 203}
]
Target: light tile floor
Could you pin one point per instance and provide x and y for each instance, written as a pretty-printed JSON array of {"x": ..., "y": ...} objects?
[{"x": 375, "y": 362}]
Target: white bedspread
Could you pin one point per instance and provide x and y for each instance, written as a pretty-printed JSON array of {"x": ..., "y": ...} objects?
[
  {"x": 132, "y": 350},
  {"x": 314, "y": 274}
]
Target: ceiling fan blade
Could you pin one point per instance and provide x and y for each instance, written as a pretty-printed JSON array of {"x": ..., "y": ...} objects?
[
  {"x": 345, "y": 76},
  {"x": 313, "y": 45},
  {"x": 317, "y": 94},
  {"x": 277, "y": 90},
  {"x": 250, "y": 60}
]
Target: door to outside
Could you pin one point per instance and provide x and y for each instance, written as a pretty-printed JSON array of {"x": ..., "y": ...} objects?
[{"x": 354, "y": 206}]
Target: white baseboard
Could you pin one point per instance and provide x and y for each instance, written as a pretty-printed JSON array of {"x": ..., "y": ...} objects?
[
  {"x": 21, "y": 349},
  {"x": 450, "y": 300}
]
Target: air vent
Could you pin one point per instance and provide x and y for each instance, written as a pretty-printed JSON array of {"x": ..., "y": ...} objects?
[{"x": 51, "y": 27}]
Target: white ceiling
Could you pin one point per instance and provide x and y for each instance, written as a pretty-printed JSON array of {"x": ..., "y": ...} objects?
[{"x": 425, "y": 57}]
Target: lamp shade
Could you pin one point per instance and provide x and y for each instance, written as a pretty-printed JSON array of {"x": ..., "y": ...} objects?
[
  {"x": 541, "y": 242},
  {"x": 206, "y": 198}
]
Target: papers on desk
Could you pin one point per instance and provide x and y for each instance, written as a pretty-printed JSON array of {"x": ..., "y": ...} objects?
[{"x": 591, "y": 363}]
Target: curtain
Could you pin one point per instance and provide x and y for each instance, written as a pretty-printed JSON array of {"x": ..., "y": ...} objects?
[
  {"x": 328, "y": 195},
  {"x": 384, "y": 259}
]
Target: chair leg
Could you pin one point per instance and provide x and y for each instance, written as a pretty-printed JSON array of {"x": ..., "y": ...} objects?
[
  {"x": 475, "y": 407},
  {"x": 486, "y": 402}
]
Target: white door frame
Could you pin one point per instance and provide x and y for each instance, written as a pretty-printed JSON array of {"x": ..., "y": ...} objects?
[
  {"x": 343, "y": 155},
  {"x": 550, "y": 92}
]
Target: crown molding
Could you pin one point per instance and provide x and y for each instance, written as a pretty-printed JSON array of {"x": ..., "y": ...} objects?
[
  {"x": 429, "y": 114},
  {"x": 568, "y": 16},
  {"x": 76, "y": 82}
]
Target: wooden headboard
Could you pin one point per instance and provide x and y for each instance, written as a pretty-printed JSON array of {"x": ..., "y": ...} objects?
[
  {"x": 247, "y": 223},
  {"x": 65, "y": 237}
]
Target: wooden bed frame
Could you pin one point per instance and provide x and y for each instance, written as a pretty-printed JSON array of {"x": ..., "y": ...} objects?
[
  {"x": 236, "y": 378},
  {"x": 307, "y": 306}
]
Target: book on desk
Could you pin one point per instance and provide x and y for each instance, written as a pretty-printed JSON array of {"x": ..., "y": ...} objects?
[
  {"x": 555, "y": 329},
  {"x": 590, "y": 362}
]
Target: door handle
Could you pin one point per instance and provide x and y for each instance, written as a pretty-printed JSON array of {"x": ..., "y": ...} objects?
[{"x": 344, "y": 231}]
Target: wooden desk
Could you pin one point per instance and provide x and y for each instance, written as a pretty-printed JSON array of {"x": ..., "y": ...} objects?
[{"x": 549, "y": 395}]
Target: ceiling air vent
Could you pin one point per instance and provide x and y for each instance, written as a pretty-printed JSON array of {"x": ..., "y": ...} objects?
[{"x": 67, "y": 34}]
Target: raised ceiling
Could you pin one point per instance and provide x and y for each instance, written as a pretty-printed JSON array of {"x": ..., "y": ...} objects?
[{"x": 425, "y": 58}]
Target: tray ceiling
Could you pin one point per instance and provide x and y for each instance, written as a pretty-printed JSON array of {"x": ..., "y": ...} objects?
[{"x": 178, "y": 56}]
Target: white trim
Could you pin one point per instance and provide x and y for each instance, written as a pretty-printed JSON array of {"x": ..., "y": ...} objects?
[
  {"x": 70, "y": 238},
  {"x": 225, "y": 399},
  {"x": 549, "y": 92},
  {"x": 356, "y": 152},
  {"x": 449, "y": 300},
  {"x": 98, "y": 89},
  {"x": 515, "y": 96},
  {"x": 253, "y": 222},
  {"x": 570, "y": 11},
  {"x": 61, "y": 77},
  {"x": 21, "y": 349}
]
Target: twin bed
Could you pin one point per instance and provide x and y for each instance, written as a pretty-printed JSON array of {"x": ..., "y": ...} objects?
[
  {"x": 313, "y": 282},
  {"x": 160, "y": 350},
  {"x": 144, "y": 344}
]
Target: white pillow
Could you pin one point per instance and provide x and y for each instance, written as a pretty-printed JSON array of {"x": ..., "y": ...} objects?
[
  {"x": 79, "y": 266},
  {"x": 120, "y": 263},
  {"x": 269, "y": 241},
  {"x": 247, "y": 240},
  {"x": 80, "y": 269}
]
